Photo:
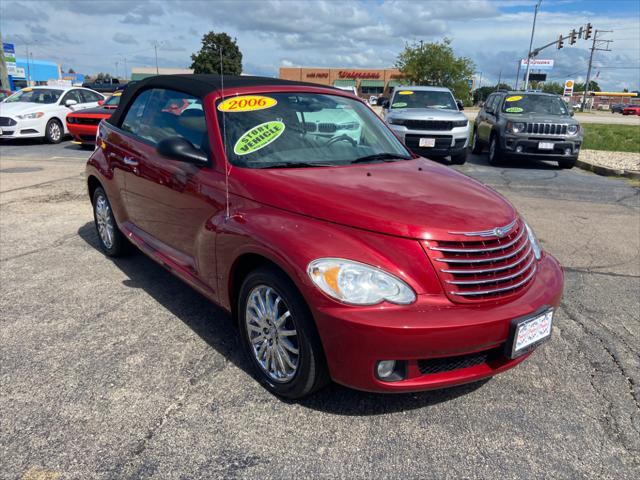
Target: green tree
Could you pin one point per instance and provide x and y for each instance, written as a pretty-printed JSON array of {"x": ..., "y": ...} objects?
[
  {"x": 207, "y": 60},
  {"x": 553, "y": 87},
  {"x": 481, "y": 94},
  {"x": 593, "y": 87},
  {"x": 436, "y": 64}
]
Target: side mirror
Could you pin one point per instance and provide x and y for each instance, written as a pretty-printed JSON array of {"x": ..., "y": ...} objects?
[
  {"x": 177, "y": 148},
  {"x": 70, "y": 103},
  {"x": 460, "y": 104},
  {"x": 572, "y": 113},
  {"x": 489, "y": 110},
  {"x": 385, "y": 104}
]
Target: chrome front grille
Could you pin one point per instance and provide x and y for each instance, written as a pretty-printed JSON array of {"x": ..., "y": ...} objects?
[
  {"x": 547, "y": 128},
  {"x": 484, "y": 266}
]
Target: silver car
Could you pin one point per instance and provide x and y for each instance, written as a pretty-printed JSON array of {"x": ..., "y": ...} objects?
[{"x": 429, "y": 121}]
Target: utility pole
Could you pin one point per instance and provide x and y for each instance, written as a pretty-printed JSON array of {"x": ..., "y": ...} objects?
[
  {"x": 4, "y": 75},
  {"x": 155, "y": 47},
  {"x": 125, "y": 68},
  {"x": 499, "y": 79},
  {"x": 117, "y": 69},
  {"x": 518, "y": 74},
  {"x": 533, "y": 29},
  {"x": 594, "y": 47}
]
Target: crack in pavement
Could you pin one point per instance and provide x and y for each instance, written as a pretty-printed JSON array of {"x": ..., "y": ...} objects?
[
  {"x": 606, "y": 274},
  {"x": 35, "y": 185}
]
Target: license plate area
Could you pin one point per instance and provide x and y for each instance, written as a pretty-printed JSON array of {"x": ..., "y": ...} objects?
[
  {"x": 545, "y": 145},
  {"x": 427, "y": 142},
  {"x": 528, "y": 332}
]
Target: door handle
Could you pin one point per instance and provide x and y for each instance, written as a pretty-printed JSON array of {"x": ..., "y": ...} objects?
[{"x": 130, "y": 161}]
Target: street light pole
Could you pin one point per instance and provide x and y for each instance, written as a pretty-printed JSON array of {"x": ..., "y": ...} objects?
[
  {"x": 155, "y": 47},
  {"x": 533, "y": 29}
]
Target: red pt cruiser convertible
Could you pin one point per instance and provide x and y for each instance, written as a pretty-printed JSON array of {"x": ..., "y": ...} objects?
[{"x": 340, "y": 254}]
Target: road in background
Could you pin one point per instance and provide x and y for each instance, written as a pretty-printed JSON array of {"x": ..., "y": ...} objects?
[{"x": 116, "y": 369}]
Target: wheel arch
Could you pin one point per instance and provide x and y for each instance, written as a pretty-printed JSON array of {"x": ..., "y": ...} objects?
[{"x": 92, "y": 184}]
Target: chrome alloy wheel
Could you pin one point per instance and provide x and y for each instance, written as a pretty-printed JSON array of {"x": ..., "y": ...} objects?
[
  {"x": 492, "y": 149},
  {"x": 474, "y": 139},
  {"x": 54, "y": 131},
  {"x": 272, "y": 334},
  {"x": 104, "y": 221}
]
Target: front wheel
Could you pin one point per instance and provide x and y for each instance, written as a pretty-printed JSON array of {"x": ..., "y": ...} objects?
[
  {"x": 53, "y": 131},
  {"x": 567, "y": 163},
  {"x": 476, "y": 146},
  {"x": 495, "y": 152},
  {"x": 279, "y": 336}
]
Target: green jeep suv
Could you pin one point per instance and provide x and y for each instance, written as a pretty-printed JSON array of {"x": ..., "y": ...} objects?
[{"x": 527, "y": 125}]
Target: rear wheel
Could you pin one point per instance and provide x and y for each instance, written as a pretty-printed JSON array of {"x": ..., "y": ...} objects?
[
  {"x": 112, "y": 242},
  {"x": 476, "y": 145},
  {"x": 496, "y": 156},
  {"x": 54, "y": 131},
  {"x": 567, "y": 163},
  {"x": 279, "y": 336}
]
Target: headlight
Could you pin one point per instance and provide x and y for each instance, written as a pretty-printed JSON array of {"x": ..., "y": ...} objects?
[
  {"x": 30, "y": 115},
  {"x": 516, "y": 127},
  {"x": 537, "y": 251},
  {"x": 357, "y": 283},
  {"x": 395, "y": 121},
  {"x": 460, "y": 123},
  {"x": 573, "y": 129}
]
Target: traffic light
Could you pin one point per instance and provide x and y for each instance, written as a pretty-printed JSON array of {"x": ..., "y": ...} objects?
[
  {"x": 572, "y": 37},
  {"x": 587, "y": 31},
  {"x": 580, "y": 33},
  {"x": 560, "y": 42}
]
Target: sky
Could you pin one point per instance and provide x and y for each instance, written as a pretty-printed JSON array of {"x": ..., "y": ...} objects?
[{"x": 92, "y": 36}]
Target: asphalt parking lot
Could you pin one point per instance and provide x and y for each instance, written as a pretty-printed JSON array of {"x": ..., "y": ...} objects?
[{"x": 116, "y": 369}]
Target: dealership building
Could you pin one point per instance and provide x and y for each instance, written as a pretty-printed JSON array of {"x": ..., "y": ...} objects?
[{"x": 367, "y": 81}]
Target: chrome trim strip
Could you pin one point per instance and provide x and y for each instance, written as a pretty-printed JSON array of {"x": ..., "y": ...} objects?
[
  {"x": 498, "y": 290},
  {"x": 476, "y": 250},
  {"x": 484, "y": 260},
  {"x": 488, "y": 270},
  {"x": 492, "y": 280},
  {"x": 488, "y": 233}
]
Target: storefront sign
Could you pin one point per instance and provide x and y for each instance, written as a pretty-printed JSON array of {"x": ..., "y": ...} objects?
[
  {"x": 317, "y": 75},
  {"x": 537, "y": 64},
  {"x": 347, "y": 74}
]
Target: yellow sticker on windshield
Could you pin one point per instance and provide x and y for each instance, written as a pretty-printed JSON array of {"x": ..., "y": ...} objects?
[
  {"x": 405, "y": 92},
  {"x": 515, "y": 98},
  {"x": 258, "y": 137},
  {"x": 247, "y": 103},
  {"x": 117, "y": 94},
  {"x": 514, "y": 110},
  {"x": 28, "y": 89}
]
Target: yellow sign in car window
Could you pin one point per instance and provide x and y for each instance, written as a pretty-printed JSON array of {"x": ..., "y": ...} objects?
[
  {"x": 405, "y": 92},
  {"x": 247, "y": 103},
  {"x": 514, "y": 98}
]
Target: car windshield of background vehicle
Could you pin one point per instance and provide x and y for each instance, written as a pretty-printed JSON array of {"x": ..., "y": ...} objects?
[
  {"x": 542, "y": 104},
  {"x": 35, "y": 95},
  {"x": 113, "y": 101},
  {"x": 304, "y": 129},
  {"x": 424, "y": 99}
]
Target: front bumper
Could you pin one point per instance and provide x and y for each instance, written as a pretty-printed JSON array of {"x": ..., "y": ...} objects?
[
  {"x": 355, "y": 339},
  {"x": 448, "y": 142},
  {"x": 31, "y": 128},
  {"x": 522, "y": 146}
]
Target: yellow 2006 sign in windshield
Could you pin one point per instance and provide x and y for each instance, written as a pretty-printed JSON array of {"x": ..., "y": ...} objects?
[
  {"x": 514, "y": 98},
  {"x": 247, "y": 103}
]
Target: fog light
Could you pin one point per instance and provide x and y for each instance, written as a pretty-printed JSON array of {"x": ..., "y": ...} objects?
[
  {"x": 385, "y": 368},
  {"x": 567, "y": 151},
  {"x": 519, "y": 149}
]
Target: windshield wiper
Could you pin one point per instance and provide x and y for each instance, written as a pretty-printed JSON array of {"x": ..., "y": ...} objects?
[
  {"x": 296, "y": 165},
  {"x": 380, "y": 156}
]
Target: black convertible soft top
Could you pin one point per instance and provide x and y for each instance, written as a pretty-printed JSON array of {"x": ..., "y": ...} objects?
[{"x": 198, "y": 85}]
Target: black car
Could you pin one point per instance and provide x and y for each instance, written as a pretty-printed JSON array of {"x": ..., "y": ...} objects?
[{"x": 617, "y": 107}]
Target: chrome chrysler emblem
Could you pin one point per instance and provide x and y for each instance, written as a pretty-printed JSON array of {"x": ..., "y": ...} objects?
[
  {"x": 498, "y": 232},
  {"x": 494, "y": 232}
]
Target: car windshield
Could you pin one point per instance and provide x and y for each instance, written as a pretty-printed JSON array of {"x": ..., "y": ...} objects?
[
  {"x": 276, "y": 130},
  {"x": 35, "y": 95},
  {"x": 543, "y": 104},
  {"x": 113, "y": 100},
  {"x": 424, "y": 99}
]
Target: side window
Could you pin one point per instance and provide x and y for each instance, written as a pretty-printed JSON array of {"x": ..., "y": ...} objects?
[
  {"x": 489, "y": 101},
  {"x": 71, "y": 95},
  {"x": 133, "y": 119},
  {"x": 89, "y": 97},
  {"x": 169, "y": 114},
  {"x": 496, "y": 103}
]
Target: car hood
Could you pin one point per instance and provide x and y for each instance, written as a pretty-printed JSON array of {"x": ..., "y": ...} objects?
[
  {"x": 413, "y": 198},
  {"x": 19, "y": 108},
  {"x": 425, "y": 114},
  {"x": 532, "y": 118}
]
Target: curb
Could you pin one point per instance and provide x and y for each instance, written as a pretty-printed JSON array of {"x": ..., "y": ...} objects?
[{"x": 607, "y": 172}]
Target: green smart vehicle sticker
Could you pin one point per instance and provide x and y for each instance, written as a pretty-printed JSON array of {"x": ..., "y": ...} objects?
[
  {"x": 258, "y": 137},
  {"x": 399, "y": 104},
  {"x": 514, "y": 110}
]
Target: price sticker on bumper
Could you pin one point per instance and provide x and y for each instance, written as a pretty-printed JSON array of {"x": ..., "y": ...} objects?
[{"x": 531, "y": 331}]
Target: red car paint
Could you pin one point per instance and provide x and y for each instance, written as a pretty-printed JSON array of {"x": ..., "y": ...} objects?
[
  {"x": 631, "y": 110},
  {"x": 383, "y": 214},
  {"x": 83, "y": 124}
]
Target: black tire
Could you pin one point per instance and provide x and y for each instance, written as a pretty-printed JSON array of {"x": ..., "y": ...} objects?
[
  {"x": 459, "y": 159},
  {"x": 476, "y": 144},
  {"x": 119, "y": 244},
  {"x": 567, "y": 163},
  {"x": 496, "y": 157},
  {"x": 311, "y": 372},
  {"x": 54, "y": 131}
]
